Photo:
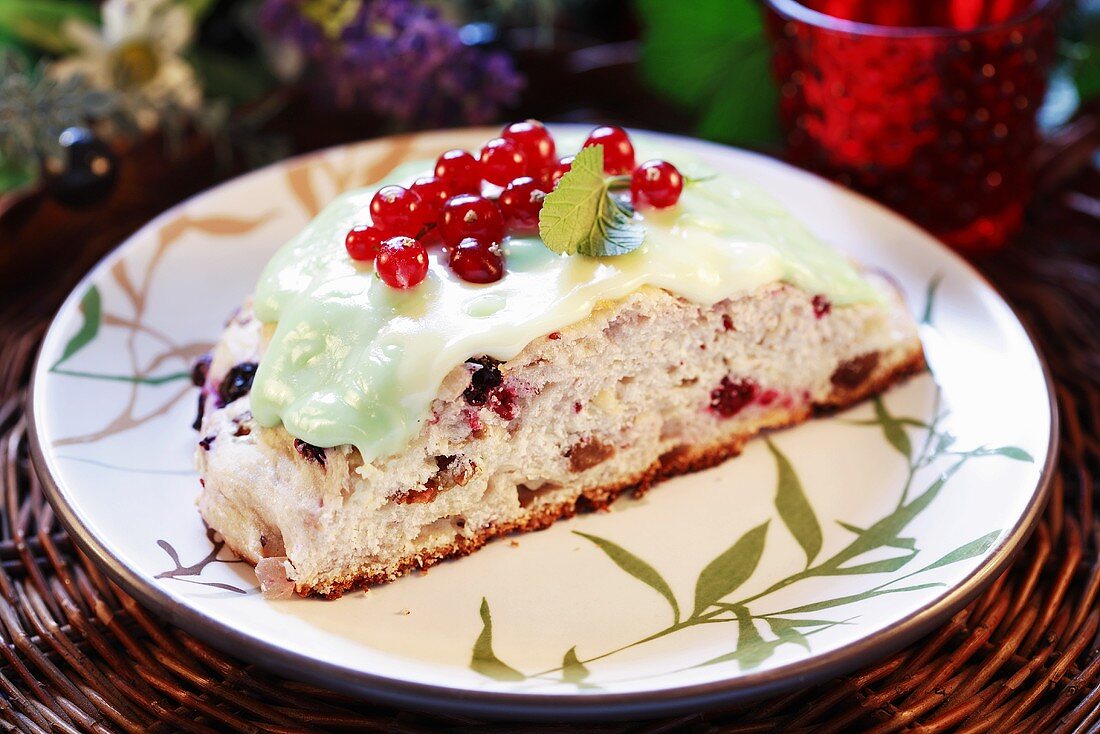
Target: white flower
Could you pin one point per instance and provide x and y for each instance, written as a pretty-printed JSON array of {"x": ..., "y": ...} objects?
[{"x": 138, "y": 53}]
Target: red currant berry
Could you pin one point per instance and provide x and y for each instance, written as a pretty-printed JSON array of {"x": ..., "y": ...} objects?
[
  {"x": 521, "y": 202},
  {"x": 476, "y": 262},
  {"x": 402, "y": 262},
  {"x": 618, "y": 152},
  {"x": 363, "y": 241},
  {"x": 553, "y": 174},
  {"x": 656, "y": 183},
  {"x": 433, "y": 195},
  {"x": 501, "y": 161},
  {"x": 396, "y": 210},
  {"x": 535, "y": 141},
  {"x": 459, "y": 171},
  {"x": 467, "y": 215}
]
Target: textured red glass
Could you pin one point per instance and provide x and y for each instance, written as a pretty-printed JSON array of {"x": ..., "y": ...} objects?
[{"x": 929, "y": 107}]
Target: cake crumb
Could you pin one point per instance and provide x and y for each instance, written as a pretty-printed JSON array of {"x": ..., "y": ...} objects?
[
  {"x": 514, "y": 543},
  {"x": 405, "y": 612}
]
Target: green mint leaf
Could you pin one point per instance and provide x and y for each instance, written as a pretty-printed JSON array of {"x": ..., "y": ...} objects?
[{"x": 581, "y": 217}]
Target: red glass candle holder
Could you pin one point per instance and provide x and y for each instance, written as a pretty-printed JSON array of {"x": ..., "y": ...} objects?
[{"x": 928, "y": 106}]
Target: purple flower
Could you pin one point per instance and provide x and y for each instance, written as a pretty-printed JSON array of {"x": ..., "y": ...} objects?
[{"x": 399, "y": 59}]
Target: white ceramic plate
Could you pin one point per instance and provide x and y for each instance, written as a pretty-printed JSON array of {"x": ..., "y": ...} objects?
[{"x": 700, "y": 593}]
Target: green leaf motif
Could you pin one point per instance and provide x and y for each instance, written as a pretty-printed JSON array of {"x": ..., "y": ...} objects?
[
  {"x": 930, "y": 298},
  {"x": 637, "y": 568},
  {"x": 886, "y": 565},
  {"x": 885, "y": 531},
  {"x": 906, "y": 543},
  {"x": 581, "y": 216},
  {"x": 90, "y": 308},
  {"x": 794, "y": 509},
  {"x": 730, "y": 569},
  {"x": 483, "y": 660},
  {"x": 841, "y": 601},
  {"x": 892, "y": 429},
  {"x": 752, "y": 649},
  {"x": 905, "y": 421},
  {"x": 788, "y": 630},
  {"x": 572, "y": 669},
  {"x": 1013, "y": 452},
  {"x": 974, "y": 548}
]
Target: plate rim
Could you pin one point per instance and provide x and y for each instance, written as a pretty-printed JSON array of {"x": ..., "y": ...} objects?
[{"x": 539, "y": 706}]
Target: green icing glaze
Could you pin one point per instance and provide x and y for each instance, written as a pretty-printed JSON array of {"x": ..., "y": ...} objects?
[{"x": 352, "y": 361}]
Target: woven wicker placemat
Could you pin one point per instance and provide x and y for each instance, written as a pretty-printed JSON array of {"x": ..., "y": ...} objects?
[{"x": 79, "y": 655}]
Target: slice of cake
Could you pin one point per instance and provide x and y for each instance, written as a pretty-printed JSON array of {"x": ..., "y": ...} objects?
[{"x": 361, "y": 419}]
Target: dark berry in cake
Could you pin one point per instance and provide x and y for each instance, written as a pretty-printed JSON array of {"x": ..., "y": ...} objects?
[
  {"x": 732, "y": 395},
  {"x": 200, "y": 369},
  {"x": 502, "y": 401},
  {"x": 309, "y": 452},
  {"x": 200, "y": 412},
  {"x": 485, "y": 379},
  {"x": 237, "y": 382},
  {"x": 822, "y": 306}
]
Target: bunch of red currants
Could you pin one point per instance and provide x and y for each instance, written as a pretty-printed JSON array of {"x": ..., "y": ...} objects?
[{"x": 523, "y": 161}]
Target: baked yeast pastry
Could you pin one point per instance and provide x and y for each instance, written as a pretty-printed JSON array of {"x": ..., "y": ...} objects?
[{"x": 362, "y": 419}]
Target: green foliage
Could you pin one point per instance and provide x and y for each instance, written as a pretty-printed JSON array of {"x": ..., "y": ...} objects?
[
  {"x": 37, "y": 24},
  {"x": 236, "y": 81},
  {"x": 580, "y": 216},
  {"x": 35, "y": 108},
  {"x": 332, "y": 16},
  {"x": 1081, "y": 47},
  {"x": 14, "y": 175},
  {"x": 199, "y": 8},
  {"x": 712, "y": 58}
]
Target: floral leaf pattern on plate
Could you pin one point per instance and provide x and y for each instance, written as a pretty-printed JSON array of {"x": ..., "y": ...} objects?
[
  {"x": 730, "y": 569},
  {"x": 483, "y": 660},
  {"x": 90, "y": 309},
  {"x": 637, "y": 568},
  {"x": 794, "y": 508},
  {"x": 792, "y": 604},
  {"x": 726, "y": 573}
]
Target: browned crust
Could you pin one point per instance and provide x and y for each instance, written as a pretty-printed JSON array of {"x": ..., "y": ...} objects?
[{"x": 673, "y": 463}]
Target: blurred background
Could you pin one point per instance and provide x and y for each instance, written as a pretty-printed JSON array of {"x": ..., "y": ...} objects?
[{"x": 110, "y": 112}]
